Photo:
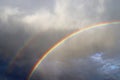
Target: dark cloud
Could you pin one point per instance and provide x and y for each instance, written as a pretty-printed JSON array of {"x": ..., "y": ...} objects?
[
  {"x": 14, "y": 35},
  {"x": 14, "y": 38}
]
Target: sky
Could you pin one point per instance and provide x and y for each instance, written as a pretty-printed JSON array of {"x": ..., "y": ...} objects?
[
  {"x": 39, "y": 24},
  {"x": 57, "y": 14},
  {"x": 90, "y": 55}
]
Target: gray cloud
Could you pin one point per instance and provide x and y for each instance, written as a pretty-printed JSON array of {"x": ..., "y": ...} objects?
[
  {"x": 28, "y": 5},
  {"x": 67, "y": 14},
  {"x": 51, "y": 20},
  {"x": 12, "y": 42}
]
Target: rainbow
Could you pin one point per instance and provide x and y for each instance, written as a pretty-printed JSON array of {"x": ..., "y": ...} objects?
[
  {"x": 64, "y": 39},
  {"x": 25, "y": 45}
]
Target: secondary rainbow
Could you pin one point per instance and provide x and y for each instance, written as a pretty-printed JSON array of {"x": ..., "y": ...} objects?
[
  {"x": 64, "y": 39},
  {"x": 25, "y": 45}
]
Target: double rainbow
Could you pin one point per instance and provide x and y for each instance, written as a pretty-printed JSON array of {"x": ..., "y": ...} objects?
[{"x": 29, "y": 41}]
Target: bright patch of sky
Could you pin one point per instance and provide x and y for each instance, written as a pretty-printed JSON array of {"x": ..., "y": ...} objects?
[
  {"x": 108, "y": 65},
  {"x": 97, "y": 57}
]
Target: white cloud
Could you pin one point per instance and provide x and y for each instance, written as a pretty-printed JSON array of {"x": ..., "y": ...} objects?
[
  {"x": 97, "y": 57},
  {"x": 67, "y": 14},
  {"x": 7, "y": 12}
]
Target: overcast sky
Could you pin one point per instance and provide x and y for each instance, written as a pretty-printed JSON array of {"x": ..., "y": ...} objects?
[
  {"x": 57, "y": 14},
  {"x": 53, "y": 19}
]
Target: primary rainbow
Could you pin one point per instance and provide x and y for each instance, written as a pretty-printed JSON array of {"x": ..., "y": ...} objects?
[{"x": 64, "y": 39}]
